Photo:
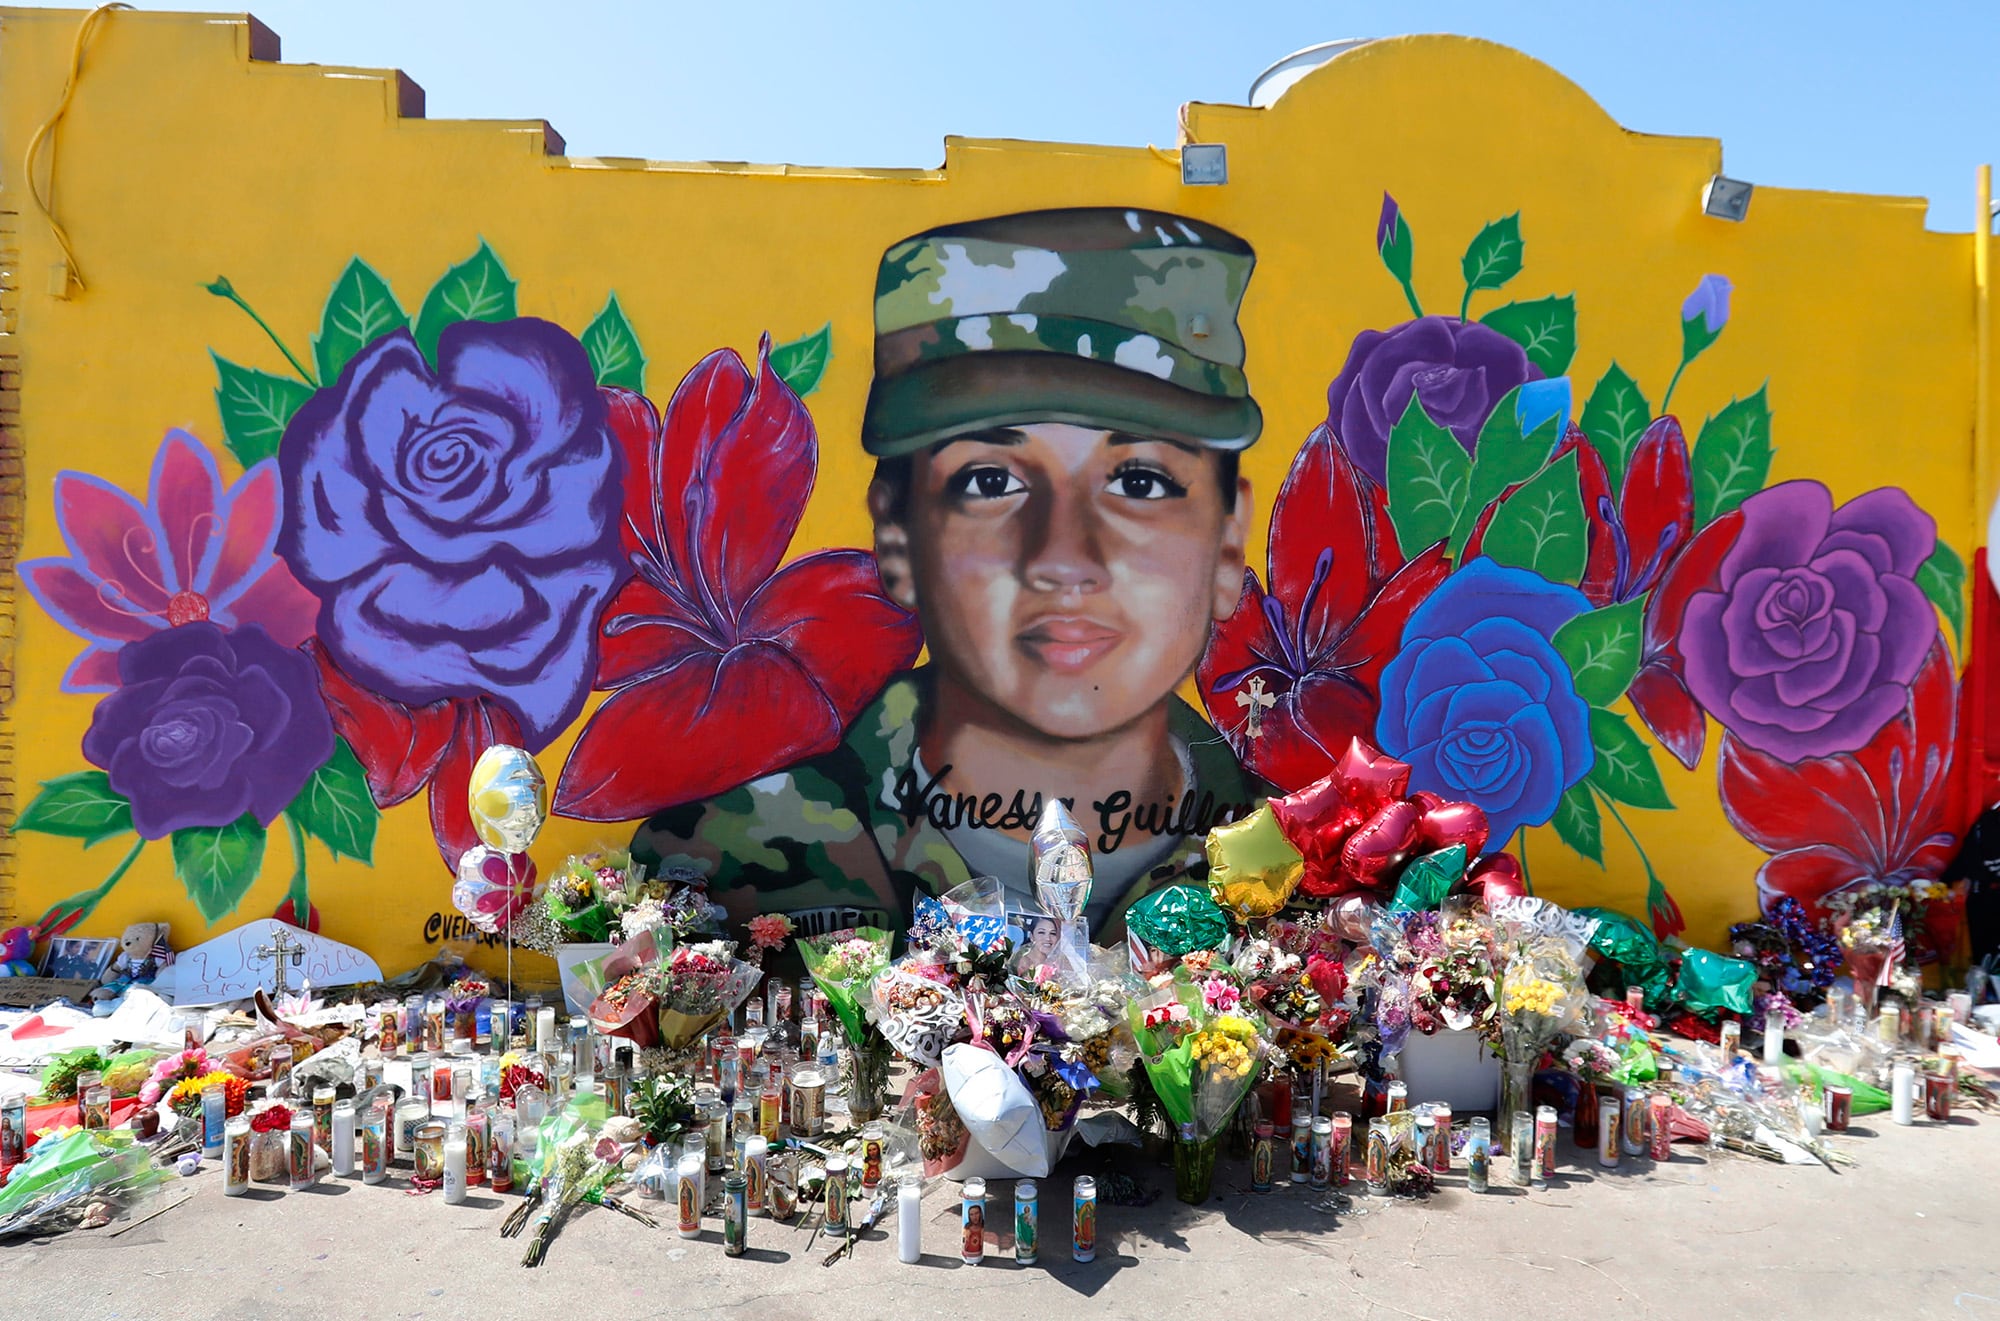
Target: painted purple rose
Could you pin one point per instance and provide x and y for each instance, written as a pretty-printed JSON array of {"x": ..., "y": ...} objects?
[
  {"x": 1459, "y": 369},
  {"x": 1818, "y": 628},
  {"x": 208, "y": 724},
  {"x": 460, "y": 527}
]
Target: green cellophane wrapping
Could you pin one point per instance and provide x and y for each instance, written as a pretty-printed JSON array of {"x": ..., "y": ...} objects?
[
  {"x": 1710, "y": 982},
  {"x": 1178, "y": 920},
  {"x": 849, "y": 996}
]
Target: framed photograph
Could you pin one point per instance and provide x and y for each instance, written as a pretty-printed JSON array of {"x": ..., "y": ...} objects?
[
  {"x": 1035, "y": 936},
  {"x": 76, "y": 959}
]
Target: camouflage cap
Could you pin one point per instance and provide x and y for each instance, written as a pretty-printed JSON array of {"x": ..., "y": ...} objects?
[{"x": 1100, "y": 316}]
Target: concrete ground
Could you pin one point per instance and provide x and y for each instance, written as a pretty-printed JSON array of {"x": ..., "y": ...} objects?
[{"x": 1912, "y": 1229}]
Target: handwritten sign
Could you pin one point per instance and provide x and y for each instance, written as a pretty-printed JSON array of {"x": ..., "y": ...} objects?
[{"x": 228, "y": 968}]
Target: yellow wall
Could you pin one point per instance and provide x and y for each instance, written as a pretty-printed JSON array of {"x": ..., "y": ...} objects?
[{"x": 181, "y": 159}]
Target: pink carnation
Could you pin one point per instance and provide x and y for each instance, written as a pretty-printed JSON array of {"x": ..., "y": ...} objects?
[{"x": 770, "y": 930}]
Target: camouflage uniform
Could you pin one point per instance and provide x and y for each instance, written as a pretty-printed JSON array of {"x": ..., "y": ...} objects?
[{"x": 1117, "y": 318}]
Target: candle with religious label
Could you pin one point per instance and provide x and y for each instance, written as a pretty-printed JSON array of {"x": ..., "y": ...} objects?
[
  {"x": 1027, "y": 1222},
  {"x": 756, "y": 1172},
  {"x": 1302, "y": 1136},
  {"x": 1426, "y": 1137},
  {"x": 1608, "y": 1112},
  {"x": 1660, "y": 1127},
  {"x": 1083, "y": 1219},
  {"x": 13, "y": 1131},
  {"x": 478, "y": 1126},
  {"x": 687, "y": 1193},
  {"x": 735, "y": 1215},
  {"x": 214, "y": 1114},
  {"x": 1479, "y": 1155},
  {"x": 375, "y": 1142},
  {"x": 1398, "y": 1094},
  {"x": 1261, "y": 1158},
  {"x": 972, "y": 1222},
  {"x": 1441, "y": 1139},
  {"x": 1732, "y": 1038},
  {"x": 836, "y": 1197},
  {"x": 427, "y": 1167},
  {"x": 1545, "y": 1144},
  {"x": 871, "y": 1157},
  {"x": 500, "y": 1154},
  {"x": 1521, "y": 1148},
  {"x": 781, "y": 1191},
  {"x": 1632, "y": 1124},
  {"x": 770, "y": 1110},
  {"x": 301, "y": 1153},
  {"x": 236, "y": 1157},
  {"x": 281, "y": 1069},
  {"x": 1322, "y": 1152},
  {"x": 1375, "y": 1162},
  {"x": 97, "y": 1107}
]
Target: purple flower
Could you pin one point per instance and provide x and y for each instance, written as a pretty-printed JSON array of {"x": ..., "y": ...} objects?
[
  {"x": 1459, "y": 369},
  {"x": 460, "y": 527},
  {"x": 1818, "y": 628},
  {"x": 1709, "y": 302},
  {"x": 1385, "y": 228},
  {"x": 1480, "y": 703},
  {"x": 207, "y": 725}
]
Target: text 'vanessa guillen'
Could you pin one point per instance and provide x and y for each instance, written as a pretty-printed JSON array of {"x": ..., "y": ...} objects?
[{"x": 1117, "y": 815}]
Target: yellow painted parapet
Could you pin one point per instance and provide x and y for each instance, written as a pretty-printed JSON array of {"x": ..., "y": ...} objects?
[{"x": 197, "y": 178}]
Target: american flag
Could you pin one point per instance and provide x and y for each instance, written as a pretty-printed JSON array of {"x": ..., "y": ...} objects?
[{"x": 1897, "y": 948}]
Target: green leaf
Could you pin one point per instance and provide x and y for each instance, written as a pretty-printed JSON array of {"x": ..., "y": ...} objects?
[
  {"x": 1942, "y": 577},
  {"x": 1541, "y": 526},
  {"x": 1545, "y": 329},
  {"x": 336, "y": 808},
  {"x": 1732, "y": 458},
  {"x": 477, "y": 289},
  {"x": 1428, "y": 473},
  {"x": 1624, "y": 772},
  {"x": 1696, "y": 337},
  {"x": 255, "y": 407},
  {"x": 802, "y": 362},
  {"x": 219, "y": 864},
  {"x": 1398, "y": 249},
  {"x": 80, "y": 806},
  {"x": 360, "y": 310},
  {"x": 615, "y": 356},
  {"x": 1615, "y": 418},
  {"x": 1502, "y": 458},
  {"x": 1494, "y": 255},
  {"x": 1602, "y": 648},
  {"x": 1578, "y": 824}
]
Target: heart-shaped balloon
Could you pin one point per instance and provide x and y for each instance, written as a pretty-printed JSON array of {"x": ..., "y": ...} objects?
[
  {"x": 1317, "y": 820},
  {"x": 1373, "y": 854},
  {"x": 1495, "y": 876},
  {"x": 493, "y": 888},
  {"x": 1444, "y": 824}
]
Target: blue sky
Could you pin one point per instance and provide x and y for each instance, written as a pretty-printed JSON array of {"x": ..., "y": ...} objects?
[{"x": 1837, "y": 94}]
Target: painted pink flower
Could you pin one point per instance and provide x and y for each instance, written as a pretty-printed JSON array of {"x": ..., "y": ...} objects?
[
  {"x": 770, "y": 930},
  {"x": 192, "y": 551}
]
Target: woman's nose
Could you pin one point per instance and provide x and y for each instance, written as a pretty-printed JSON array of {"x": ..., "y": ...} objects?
[{"x": 1062, "y": 553}]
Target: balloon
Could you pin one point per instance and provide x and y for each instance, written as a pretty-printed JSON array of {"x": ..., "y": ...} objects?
[
  {"x": 1372, "y": 778},
  {"x": 1444, "y": 824},
  {"x": 1252, "y": 868},
  {"x": 1177, "y": 920},
  {"x": 1496, "y": 876},
  {"x": 1317, "y": 820},
  {"x": 493, "y": 888},
  {"x": 1352, "y": 916},
  {"x": 1428, "y": 879},
  {"x": 508, "y": 798},
  {"x": 1373, "y": 854}
]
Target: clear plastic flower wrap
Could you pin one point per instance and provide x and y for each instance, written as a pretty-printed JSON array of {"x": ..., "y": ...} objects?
[
  {"x": 920, "y": 1014},
  {"x": 1201, "y": 1043},
  {"x": 844, "y": 964}
]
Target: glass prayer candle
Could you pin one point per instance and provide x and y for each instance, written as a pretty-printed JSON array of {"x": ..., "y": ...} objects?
[
  {"x": 343, "y": 1139},
  {"x": 301, "y": 1153},
  {"x": 428, "y": 1162},
  {"x": 236, "y": 1157}
]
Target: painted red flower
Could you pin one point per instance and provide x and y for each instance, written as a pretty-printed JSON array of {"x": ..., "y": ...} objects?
[
  {"x": 1340, "y": 593},
  {"x": 1881, "y": 815},
  {"x": 723, "y": 666}
]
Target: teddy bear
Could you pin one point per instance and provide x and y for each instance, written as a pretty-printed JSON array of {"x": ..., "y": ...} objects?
[
  {"x": 142, "y": 952},
  {"x": 17, "y": 948}
]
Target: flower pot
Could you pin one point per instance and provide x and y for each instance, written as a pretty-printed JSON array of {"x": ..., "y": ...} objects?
[
  {"x": 1194, "y": 1168},
  {"x": 1454, "y": 1066}
]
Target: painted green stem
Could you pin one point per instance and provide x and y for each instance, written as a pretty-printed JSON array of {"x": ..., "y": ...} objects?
[
  {"x": 1667, "y": 398},
  {"x": 301, "y": 897},
  {"x": 1644, "y": 861},
  {"x": 1416, "y": 308},
  {"x": 1521, "y": 856},
  {"x": 1465, "y": 304},
  {"x": 223, "y": 289},
  {"x": 84, "y": 903}
]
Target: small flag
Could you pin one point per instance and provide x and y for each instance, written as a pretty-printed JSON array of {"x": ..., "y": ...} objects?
[{"x": 1897, "y": 948}]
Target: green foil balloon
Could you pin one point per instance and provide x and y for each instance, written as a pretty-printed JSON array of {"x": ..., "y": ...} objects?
[{"x": 1178, "y": 920}]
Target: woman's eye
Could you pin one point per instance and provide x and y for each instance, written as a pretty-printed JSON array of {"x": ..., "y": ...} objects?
[
  {"x": 1136, "y": 483},
  {"x": 985, "y": 483}
]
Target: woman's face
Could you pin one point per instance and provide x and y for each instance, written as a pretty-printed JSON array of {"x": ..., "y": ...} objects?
[
  {"x": 1044, "y": 937},
  {"x": 1067, "y": 575}
]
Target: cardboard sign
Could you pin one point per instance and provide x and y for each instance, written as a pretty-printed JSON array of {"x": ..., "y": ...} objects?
[{"x": 237, "y": 963}]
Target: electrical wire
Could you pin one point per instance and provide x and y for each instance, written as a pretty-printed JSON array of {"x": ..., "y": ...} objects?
[{"x": 46, "y": 133}]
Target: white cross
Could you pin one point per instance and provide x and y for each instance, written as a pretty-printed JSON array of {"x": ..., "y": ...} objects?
[{"x": 1257, "y": 701}]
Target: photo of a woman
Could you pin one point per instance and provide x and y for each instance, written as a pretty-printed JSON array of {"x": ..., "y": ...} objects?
[
  {"x": 1040, "y": 938},
  {"x": 1056, "y": 415}
]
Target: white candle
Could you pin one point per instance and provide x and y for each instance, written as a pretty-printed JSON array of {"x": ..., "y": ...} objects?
[
  {"x": 1774, "y": 1037},
  {"x": 343, "y": 1138},
  {"x": 1902, "y": 1083},
  {"x": 454, "y": 1164},
  {"x": 545, "y": 1031},
  {"x": 909, "y": 1218}
]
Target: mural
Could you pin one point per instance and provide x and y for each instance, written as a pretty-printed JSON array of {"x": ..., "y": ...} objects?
[{"x": 1149, "y": 497}]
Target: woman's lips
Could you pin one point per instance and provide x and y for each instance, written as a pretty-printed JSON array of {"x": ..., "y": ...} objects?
[{"x": 1068, "y": 645}]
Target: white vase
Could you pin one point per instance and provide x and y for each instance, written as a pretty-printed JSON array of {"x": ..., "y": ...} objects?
[{"x": 1452, "y": 1066}]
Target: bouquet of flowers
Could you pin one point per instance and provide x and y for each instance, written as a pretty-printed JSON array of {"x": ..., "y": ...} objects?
[
  {"x": 670, "y": 1000},
  {"x": 918, "y": 1010},
  {"x": 768, "y": 932},
  {"x": 1088, "y": 1015},
  {"x": 589, "y": 894},
  {"x": 174, "y": 1069},
  {"x": 844, "y": 964},
  {"x": 1200, "y": 1042},
  {"x": 1793, "y": 958},
  {"x": 184, "y": 1097},
  {"x": 1868, "y": 937},
  {"x": 964, "y": 931}
]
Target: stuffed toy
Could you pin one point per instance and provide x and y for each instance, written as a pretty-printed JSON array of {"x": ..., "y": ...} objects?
[
  {"x": 17, "y": 947},
  {"x": 142, "y": 952}
]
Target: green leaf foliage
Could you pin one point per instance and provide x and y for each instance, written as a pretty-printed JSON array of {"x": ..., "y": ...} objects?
[
  {"x": 1942, "y": 577},
  {"x": 1624, "y": 771},
  {"x": 81, "y": 806},
  {"x": 1578, "y": 824},
  {"x": 802, "y": 362},
  {"x": 219, "y": 864},
  {"x": 1614, "y": 418},
  {"x": 615, "y": 356},
  {"x": 360, "y": 310},
  {"x": 1428, "y": 473},
  {"x": 336, "y": 808},
  {"x": 477, "y": 289},
  {"x": 255, "y": 407},
  {"x": 1602, "y": 648},
  {"x": 1541, "y": 527},
  {"x": 1545, "y": 329},
  {"x": 1732, "y": 458},
  {"x": 1494, "y": 255},
  {"x": 1502, "y": 458}
]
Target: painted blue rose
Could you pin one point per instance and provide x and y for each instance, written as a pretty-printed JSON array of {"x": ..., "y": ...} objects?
[
  {"x": 460, "y": 526},
  {"x": 1480, "y": 704}
]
